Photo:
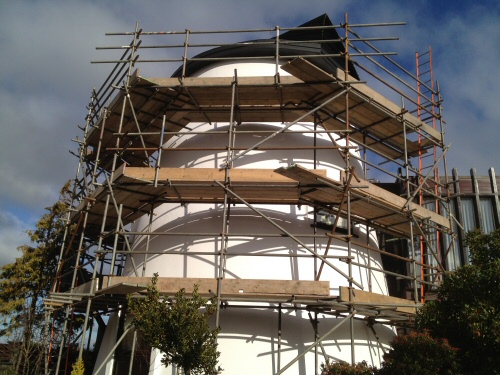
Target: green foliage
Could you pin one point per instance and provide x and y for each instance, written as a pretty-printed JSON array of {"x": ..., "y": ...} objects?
[
  {"x": 78, "y": 368},
  {"x": 23, "y": 285},
  {"x": 27, "y": 280},
  {"x": 7, "y": 370},
  {"x": 467, "y": 311},
  {"x": 344, "y": 368},
  {"x": 419, "y": 353},
  {"x": 484, "y": 248},
  {"x": 179, "y": 328}
]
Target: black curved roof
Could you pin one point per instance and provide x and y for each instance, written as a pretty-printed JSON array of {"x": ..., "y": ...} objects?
[{"x": 266, "y": 49}]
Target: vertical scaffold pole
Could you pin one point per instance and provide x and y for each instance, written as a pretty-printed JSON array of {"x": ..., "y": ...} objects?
[
  {"x": 347, "y": 186},
  {"x": 226, "y": 214},
  {"x": 411, "y": 241}
]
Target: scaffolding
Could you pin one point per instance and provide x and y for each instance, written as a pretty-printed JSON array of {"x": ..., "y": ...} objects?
[{"x": 120, "y": 177}]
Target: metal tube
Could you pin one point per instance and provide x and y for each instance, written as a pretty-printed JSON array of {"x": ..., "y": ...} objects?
[
  {"x": 394, "y": 75},
  {"x": 160, "y": 149},
  {"x": 433, "y": 252},
  {"x": 191, "y": 132},
  {"x": 136, "y": 122},
  {"x": 385, "y": 272},
  {"x": 349, "y": 173},
  {"x": 148, "y": 240},
  {"x": 99, "y": 146},
  {"x": 411, "y": 239},
  {"x": 239, "y": 155},
  {"x": 185, "y": 57},
  {"x": 338, "y": 325},
  {"x": 288, "y": 234},
  {"x": 330, "y": 238},
  {"x": 112, "y": 351},
  {"x": 223, "y": 149},
  {"x": 205, "y": 234},
  {"x": 232, "y": 254},
  {"x": 132, "y": 353},
  {"x": 87, "y": 313},
  {"x": 279, "y": 337},
  {"x": 225, "y": 216},
  {"x": 410, "y": 198},
  {"x": 249, "y": 43},
  {"x": 277, "y": 53},
  {"x": 113, "y": 256},
  {"x": 254, "y": 30},
  {"x": 291, "y": 57}
]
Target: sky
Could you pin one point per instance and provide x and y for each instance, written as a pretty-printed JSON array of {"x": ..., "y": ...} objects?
[{"x": 46, "y": 76}]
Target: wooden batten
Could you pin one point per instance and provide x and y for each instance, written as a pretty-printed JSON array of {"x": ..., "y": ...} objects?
[
  {"x": 375, "y": 300},
  {"x": 230, "y": 287},
  {"x": 134, "y": 188},
  {"x": 202, "y": 99},
  {"x": 205, "y": 175},
  {"x": 373, "y": 112},
  {"x": 368, "y": 200}
]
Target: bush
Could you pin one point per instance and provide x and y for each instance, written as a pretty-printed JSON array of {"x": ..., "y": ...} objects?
[
  {"x": 179, "y": 328},
  {"x": 78, "y": 368},
  {"x": 344, "y": 368},
  {"x": 419, "y": 353},
  {"x": 467, "y": 310}
]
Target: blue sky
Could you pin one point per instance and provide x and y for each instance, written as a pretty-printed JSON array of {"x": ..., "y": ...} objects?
[{"x": 47, "y": 77}]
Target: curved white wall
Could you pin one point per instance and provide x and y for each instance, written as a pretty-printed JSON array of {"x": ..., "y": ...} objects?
[{"x": 249, "y": 338}]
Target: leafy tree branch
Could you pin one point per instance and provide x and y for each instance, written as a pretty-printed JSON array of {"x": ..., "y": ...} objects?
[{"x": 179, "y": 328}]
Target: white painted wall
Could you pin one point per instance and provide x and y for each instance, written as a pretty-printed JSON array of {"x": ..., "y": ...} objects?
[{"x": 249, "y": 337}]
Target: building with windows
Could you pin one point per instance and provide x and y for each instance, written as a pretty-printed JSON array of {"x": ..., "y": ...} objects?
[{"x": 475, "y": 204}]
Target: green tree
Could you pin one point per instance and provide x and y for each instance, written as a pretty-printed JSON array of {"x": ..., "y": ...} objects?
[
  {"x": 23, "y": 285},
  {"x": 419, "y": 353},
  {"x": 467, "y": 310},
  {"x": 344, "y": 368},
  {"x": 179, "y": 328}
]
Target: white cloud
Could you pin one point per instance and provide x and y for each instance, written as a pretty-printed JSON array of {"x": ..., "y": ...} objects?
[{"x": 12, "y": 234}]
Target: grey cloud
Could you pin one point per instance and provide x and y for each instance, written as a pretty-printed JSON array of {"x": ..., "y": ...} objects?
[{"x": 47, "y": 76}]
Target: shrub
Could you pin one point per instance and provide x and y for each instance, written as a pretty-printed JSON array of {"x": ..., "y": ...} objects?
[
  {"x": 78, "y": 368},
  {"x": 419, "y": 353},
  {"x": 344, "y": 368},
  {"x": 467, "y": 310},
  {"x": 179, "y": 328}
]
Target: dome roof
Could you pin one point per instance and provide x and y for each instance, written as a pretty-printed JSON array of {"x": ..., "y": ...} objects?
[{"x": 326, "y": 42}]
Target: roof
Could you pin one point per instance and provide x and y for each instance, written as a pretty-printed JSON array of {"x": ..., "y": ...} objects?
[{"x": 315, "y": 37}]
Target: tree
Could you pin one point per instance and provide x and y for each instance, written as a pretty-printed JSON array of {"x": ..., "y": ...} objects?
[
  {"x": 179, "y": 328},
  {"x": 24, "y": 284},
  {"x": 467, "y": 310},
  {"x": 78, "y": 368},
  {"x": 419, "y": 353},
  {"x": 344, "y": 368}
]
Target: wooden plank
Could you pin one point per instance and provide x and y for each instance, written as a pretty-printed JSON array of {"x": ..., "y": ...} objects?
[
  {"x": 260, "y": 99},
  {"x": 371, "y": 95},
  {"x": 242, "y": 287},
  {"x": 220, "y": 81},
  {"x": 133, "y": 187},
  {"x": 389, "y": 199},
  {"x": 377, "y": 300},
  {"x": 207, "y": 175},
  {"x": 310, "y": 73},
  {"x": 334, "y": 125},
  {"x": 376, "y": 197}
]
